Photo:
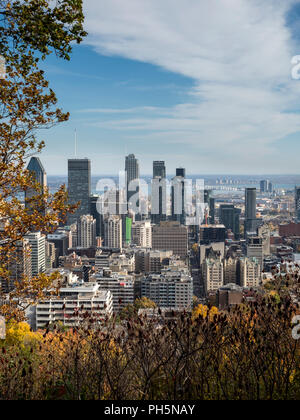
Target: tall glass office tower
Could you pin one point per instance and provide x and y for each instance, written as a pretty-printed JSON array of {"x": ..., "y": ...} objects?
[
  {"x": 159, "y": 169},
  {"x": 178, "y": 196},
  {"x": 79, "y": 187},
  {"x": 38, "y": 172},
  {"x": 250, "y": 210},
  {"x": 297, "y": 203},
  {"x": 132, "y": 170},
  {"x": 159, "y": 193}
]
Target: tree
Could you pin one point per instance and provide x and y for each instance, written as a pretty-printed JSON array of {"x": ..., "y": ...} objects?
[
  {"x": 204, "y": 311},
  {"x": 30, "y": 30},
  {"x": 144, "y": 303},
  {"x": 131, "y": 311}
]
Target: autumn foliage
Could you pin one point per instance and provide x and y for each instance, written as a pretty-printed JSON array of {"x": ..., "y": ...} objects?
[
  {"x": 248, "y": 353},
  {"x": 30, "y": 30}
]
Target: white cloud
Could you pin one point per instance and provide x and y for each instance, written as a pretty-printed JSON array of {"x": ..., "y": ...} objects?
[{"x": 238, "y": 53}]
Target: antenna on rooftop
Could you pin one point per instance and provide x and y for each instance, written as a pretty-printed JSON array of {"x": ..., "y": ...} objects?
[{"x": 75, "y": 139}]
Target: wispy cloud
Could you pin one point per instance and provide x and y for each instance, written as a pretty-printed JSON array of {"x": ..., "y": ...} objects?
[
  {"x": 238, "y": 54},
  {"x": 120, "y": 110}
]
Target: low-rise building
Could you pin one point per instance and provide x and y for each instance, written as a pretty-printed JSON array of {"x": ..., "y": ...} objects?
[
  {"x": 229, "y": 295},
  {"x": 120, "y": 286},
  {"x": 74, "y": 301}
]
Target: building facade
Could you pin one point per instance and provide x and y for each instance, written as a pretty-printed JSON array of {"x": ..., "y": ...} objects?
[
  {"x": 113, "y": 232},
  {"x": 86, "y": 232},
  {"x": 79, "y": 187},
  {"x": 171, "y": 236},
  {"x": 142, "y": 234},
  {"x": 73, "y": 304},
  {"x": 170, "y": 289},
  {"x": 37, "y": 243}
]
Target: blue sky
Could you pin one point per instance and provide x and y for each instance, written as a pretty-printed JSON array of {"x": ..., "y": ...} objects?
[{"x": 205, "y": 85}]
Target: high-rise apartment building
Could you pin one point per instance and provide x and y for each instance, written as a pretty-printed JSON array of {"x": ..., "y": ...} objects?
[
  {"x": 264, "y": 232},
  {"x": 171, "y": 236},
  {"x": 37, "y": 242},
  {"x": 94, "y": 211},
  {"x": 86, "y": 232},
  {"x": 148, "y": 261},
  {"x": 213, "y": 247},
  {"x": 121, "y": 288},
  {"x": 50, "y": 261},
  {"x": 249, "y": 272},
  {"x": 142, "y": 234},
  {"x": 79, "y": 187},
  {"x": 61, "y": 241},
  {"x": 255, "y": 249},
  {"x": 170, "y": 289},
  {"x": 18, "y": 267},
  {"x": 213, "y": 274},
  {"x": 230, "y": 270},
  {"x": 73, "y": 303},
  {"x": 113, "y": 232}
]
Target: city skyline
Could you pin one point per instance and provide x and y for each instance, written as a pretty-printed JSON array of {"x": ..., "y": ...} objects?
[
  {"x": 169, "y": 173},
  {"x": 221, "y": 100}
]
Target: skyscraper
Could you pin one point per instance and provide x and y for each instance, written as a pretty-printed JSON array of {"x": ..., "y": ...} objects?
[
  {"x": 37, "y": 242},
  {"x": 159, "y": 169},
  {"x": 19, "y": 266},
  {"x": 211, "y": 205},
  {"x": 86, "y": 232},
  {"x": 36, "y": 168},
  {"x": 113, "y": 232},
  {"x": 178, "y": 196},
  {"x": 133, "y": 174},
  {"x": 266, "y": 186},
  {"x": 230, "y": 218},
  {"x": 180, "y": 172},
  {"x": 255, "y": 249},
  {"x": 297, "y": 203},
  {"x": 97, "y": 215},
  {"x": 39, "y": 175},
  {"x": 79, "y": 187},
  {"x": 250, "y": 210},
  {"x": 159, "y": 193},
  {"x": 142, "y": 234}
]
